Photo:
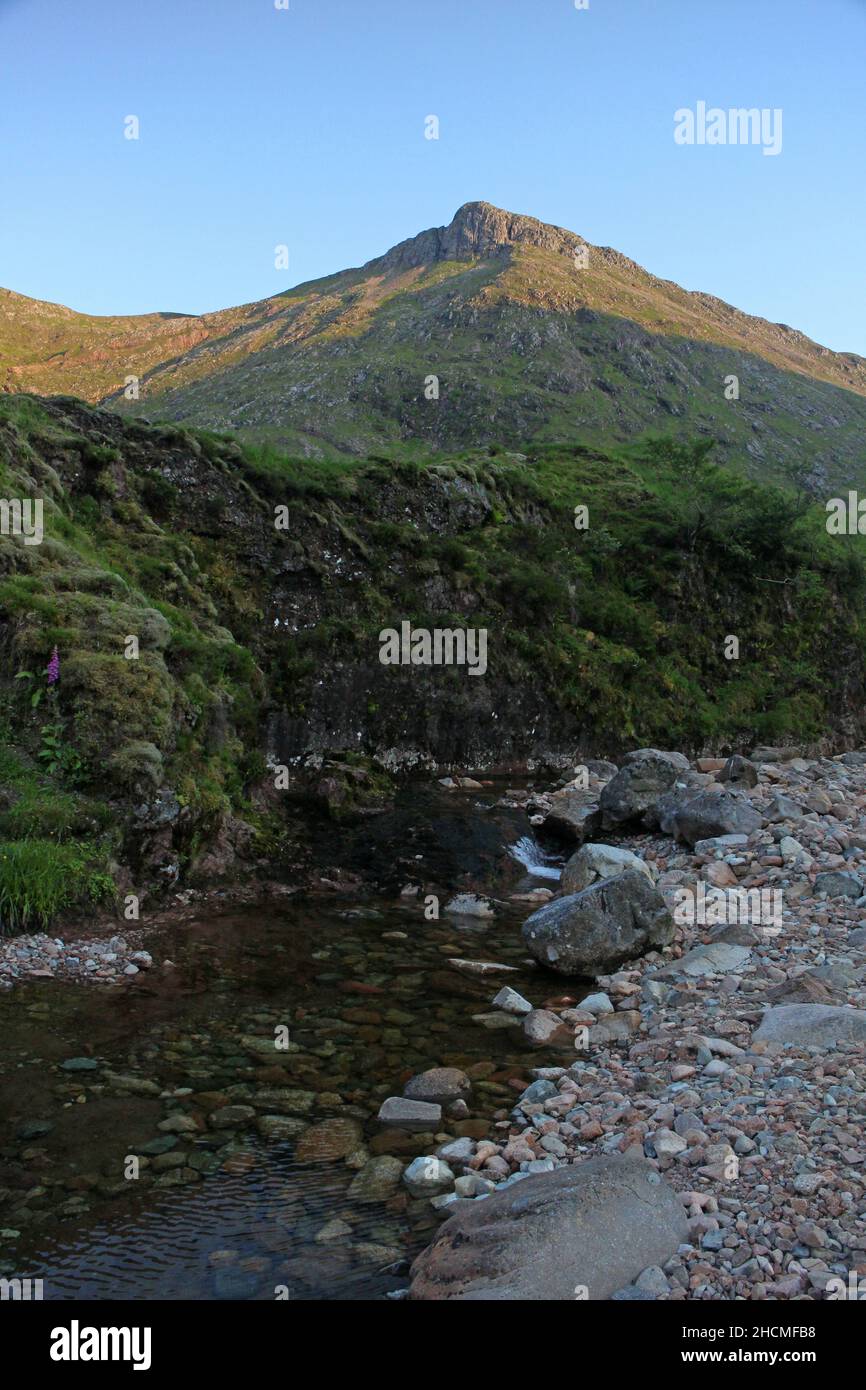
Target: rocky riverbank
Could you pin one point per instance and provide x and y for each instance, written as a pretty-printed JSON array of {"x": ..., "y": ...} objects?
[
  {"x": 728, "y": 1061},
  {"x": 656, "y": 1092},
  {"x": 100, "y": 955}
]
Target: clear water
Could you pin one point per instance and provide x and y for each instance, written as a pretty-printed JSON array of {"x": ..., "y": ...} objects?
[{"x": 365, "y": 1013}]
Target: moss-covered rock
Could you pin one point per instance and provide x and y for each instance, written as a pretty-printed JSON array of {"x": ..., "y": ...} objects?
[{"x": 137, "y": 767}]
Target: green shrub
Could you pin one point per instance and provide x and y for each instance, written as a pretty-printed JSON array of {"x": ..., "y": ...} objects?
[{"x": 39, "y": 879}]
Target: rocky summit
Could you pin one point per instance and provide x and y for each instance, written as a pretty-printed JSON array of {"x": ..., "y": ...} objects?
[{"x": 493, "y": 329}]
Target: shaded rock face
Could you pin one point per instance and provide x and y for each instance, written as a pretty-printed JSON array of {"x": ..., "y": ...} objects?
[
  {"x": 633, "y": 793},
  {"x": 594, "y": 1225},
  {"x": 710, "y": 814},
  {"x": 591, "y": 933}
]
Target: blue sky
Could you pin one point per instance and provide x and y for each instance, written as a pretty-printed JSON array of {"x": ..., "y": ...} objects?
[{"x": 305, "y": 127}]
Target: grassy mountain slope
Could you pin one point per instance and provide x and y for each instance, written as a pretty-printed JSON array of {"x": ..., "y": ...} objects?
[
  {"x": 526, "y": 346},
  {"x": 260, "y": 644}
]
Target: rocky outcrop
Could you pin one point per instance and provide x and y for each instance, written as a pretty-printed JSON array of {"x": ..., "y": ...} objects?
[
  {"x": 580, "y": 1232},
  {"x": 476, "y": 230}
]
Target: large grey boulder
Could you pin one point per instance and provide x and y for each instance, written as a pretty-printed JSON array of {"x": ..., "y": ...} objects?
[
  {"x": 811, "y": 1025},
  {"x": 783, "y": 808},
  {"x": 633, "y": 793},
  {"x": 738, "y": 771},
  {"x": 593, "y": 1226},
  {"x": 711, "y": 958},
  {"x": 592, "y": 862},
  {"x": 838, "y": 884},
  {"x": 687, "y": 786},
  {"x": 715, "y": 813},
  {"x": 593, "y": 932},
  {"x": 764, "y": 754},
  {"x": 573, "y": 816}
]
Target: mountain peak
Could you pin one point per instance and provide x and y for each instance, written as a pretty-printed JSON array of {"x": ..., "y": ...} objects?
[{"x": 476, "y": 229}]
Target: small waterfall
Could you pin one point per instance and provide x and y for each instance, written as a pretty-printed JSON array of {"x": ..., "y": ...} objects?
[{"x": 529, "y": 853}]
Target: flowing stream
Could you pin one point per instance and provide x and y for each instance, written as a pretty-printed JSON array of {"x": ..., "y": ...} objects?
[{"x": 230, "y": 1213}]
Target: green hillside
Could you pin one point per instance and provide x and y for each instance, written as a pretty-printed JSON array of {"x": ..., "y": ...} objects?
[
  {"x": 532, "y": 334},
  {"x": 258, "y": 645}
]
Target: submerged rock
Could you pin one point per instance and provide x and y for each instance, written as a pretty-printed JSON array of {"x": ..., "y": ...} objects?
[
  {"x": 377, "y": 1180},
  {"x": 328, "y": 1141},
  {"x": 439, "y": 1084},
  {"x": 402, "y": 1113},
  {"x": 79, "y": 1064},
  {"x": 595, "y": 1226}
]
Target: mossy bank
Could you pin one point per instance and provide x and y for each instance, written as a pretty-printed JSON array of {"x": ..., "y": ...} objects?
[{"x": 201, "y": 645}]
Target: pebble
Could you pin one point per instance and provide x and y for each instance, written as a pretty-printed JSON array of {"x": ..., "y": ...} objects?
[{"x": 87, "y": 960}]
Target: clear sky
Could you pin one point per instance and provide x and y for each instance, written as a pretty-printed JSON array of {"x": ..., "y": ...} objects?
[{"x": 305, "y": 127}]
